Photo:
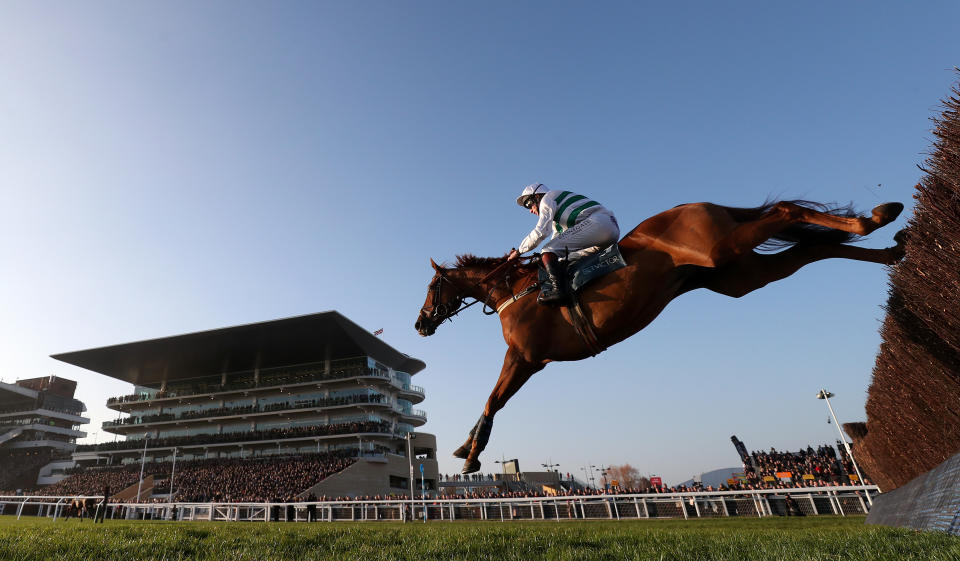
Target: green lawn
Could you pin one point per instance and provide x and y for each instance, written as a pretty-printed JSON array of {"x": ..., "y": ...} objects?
[{"x": 764, "y": 539}]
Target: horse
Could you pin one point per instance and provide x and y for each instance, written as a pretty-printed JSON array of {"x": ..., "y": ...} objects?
[
  {"x": 729, "y": 250},
  {"x": 79, "y": 507}
]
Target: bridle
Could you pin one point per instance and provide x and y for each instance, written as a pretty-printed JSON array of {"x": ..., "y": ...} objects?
[{"x": 443, "y": 311}]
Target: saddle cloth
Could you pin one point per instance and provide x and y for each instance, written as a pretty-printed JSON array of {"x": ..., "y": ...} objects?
[{"x": 582, "y": 271}]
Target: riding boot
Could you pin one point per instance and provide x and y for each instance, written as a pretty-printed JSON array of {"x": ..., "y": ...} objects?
[{"x": 558, "y": 291}]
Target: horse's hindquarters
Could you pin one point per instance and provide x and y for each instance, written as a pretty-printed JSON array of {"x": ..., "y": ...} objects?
[{"x": 687, "y": 233}]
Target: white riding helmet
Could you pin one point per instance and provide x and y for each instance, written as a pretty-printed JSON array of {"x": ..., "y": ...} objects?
[{"x": 529, "y": 191}]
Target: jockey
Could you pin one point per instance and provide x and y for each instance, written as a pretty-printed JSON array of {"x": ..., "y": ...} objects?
[{"x": 580, "y": 227}]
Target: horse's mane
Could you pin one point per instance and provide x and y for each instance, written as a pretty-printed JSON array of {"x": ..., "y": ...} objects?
[{"x": 469, "y": 260}]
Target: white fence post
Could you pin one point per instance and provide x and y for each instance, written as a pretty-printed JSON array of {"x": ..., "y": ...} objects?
[{"x": 840, "y": 506}]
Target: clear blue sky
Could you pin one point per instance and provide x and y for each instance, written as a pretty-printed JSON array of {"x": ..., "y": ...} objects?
[{"x": 168, "y": 167}]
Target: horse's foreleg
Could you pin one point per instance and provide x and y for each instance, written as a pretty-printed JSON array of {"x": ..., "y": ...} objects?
[
  {"x": 755, "y": 270},
  {"x": 464, "y": 450},
  {"x": 515, "y": 372}
]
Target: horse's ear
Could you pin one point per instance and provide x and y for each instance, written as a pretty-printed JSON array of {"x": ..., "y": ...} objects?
[{"x": 435, "y": 266}]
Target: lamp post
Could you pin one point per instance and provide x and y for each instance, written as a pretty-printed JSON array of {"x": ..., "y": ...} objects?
[
  {"x": 825, "y": 395},
  {"x": 143, "y": 460},
  {"x": 603, "y": 472},
  {"x": 588, "y": 475}
]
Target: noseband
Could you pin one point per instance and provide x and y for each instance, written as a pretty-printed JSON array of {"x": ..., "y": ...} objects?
[
  {"x": 446, "y": 310},
  {"x": 442, "y": 311}
]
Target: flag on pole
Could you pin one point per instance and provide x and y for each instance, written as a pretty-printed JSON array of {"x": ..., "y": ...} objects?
[{"x": 378, "y": 332}]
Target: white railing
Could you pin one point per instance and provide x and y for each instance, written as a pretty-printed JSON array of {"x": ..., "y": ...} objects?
[{"x": 841, "y": 501}]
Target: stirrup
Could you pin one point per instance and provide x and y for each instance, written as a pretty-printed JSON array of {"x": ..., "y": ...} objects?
[{"x": 552, "y": 296}]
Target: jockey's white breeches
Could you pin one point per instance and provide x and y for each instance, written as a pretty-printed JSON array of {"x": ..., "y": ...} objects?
[{"x": 587, "y": 237}]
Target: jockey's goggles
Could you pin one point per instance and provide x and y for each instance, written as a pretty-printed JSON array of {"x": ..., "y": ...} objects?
[{"x": 529, "y": 202}]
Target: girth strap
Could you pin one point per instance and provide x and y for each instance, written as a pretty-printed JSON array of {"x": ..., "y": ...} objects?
[{"x": 583, "y": 326}]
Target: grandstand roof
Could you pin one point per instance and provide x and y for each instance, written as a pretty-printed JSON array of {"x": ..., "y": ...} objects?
[
  {"x": 276, "y": 343},
  {"x": 12, "y": 395}
]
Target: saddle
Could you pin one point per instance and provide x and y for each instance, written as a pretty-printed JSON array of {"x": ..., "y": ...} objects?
[{"x": 581, "y": 272}]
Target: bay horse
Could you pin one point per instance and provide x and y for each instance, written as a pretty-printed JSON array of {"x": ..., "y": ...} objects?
[
  {"x": 79, "y": 507},
  {"x": 698, "y": 245}
]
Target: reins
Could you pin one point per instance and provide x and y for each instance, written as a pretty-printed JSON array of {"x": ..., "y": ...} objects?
[
  {"x": 479, "y": 285},
  {"x": 493, "y": 272},
  {"x": 579, "y": 319}
]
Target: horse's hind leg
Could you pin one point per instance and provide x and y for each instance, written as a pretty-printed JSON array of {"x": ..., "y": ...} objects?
[
  {"x": 782, "y": 215},
  {"x": 515, "y": 372},
  {"x": 755, "y": 270}
]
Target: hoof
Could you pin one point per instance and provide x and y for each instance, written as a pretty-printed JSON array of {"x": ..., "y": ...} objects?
[
  {"x": 895, "y": 255},
  {"x": 899, "y": 251},
  {"x": 901, "y": 237},
  {"x": 470, "y": 466},
  {"x": 462, "y": 452},
  {"x": 887, "y": 213}
]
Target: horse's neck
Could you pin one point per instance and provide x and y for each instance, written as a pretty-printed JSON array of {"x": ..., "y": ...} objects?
[
  {"x": 476, "y": 285},
  {"x": 469, "y": 281}
]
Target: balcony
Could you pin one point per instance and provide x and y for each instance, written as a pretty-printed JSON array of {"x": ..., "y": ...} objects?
[
  {"x": 409, "y": 392},
  {"x": 416, "y": 416},
  {"x": 244, "y": 411},
  {"x": 43, "y": 411},
  {"x": 272, "y": 436},
  {"x": 44, "y": 428},
  {"x": 269, "y": 380}
]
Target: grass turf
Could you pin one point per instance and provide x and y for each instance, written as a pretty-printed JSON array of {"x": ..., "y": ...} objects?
[{"x": 767, "y": 539}]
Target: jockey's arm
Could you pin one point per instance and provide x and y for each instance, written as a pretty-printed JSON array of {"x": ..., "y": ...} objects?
[{"x": 540, "y": 232}]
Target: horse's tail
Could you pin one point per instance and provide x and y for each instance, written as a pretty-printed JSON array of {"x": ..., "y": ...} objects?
[{"x": 800, "y": 234}]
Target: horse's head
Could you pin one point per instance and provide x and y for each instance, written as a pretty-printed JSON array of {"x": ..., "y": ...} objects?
[{"x": 444, "y": 298}]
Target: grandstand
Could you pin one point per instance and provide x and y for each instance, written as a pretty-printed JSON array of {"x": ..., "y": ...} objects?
[
  {"x": 39, "y": 423},
  {"x": 827, "y": 465},
  {"x": 313, "y": 401}
]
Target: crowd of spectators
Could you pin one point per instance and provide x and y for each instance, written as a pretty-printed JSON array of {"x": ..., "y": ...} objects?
[
  {"x": 471, "y": 477},
  {"x": 213, "y": 480},
  {"x": 271, "y": 434},
  {"x": 285, "y": 479},
  {"x": 806, "y": 468},
  {"x": 494, "y": 493},
  {"x": 255, "y": 480},
  {"x": 92, "y": 481},
  {"x": 823, "y": 467},
  {"x": 20, "y": 468}
]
